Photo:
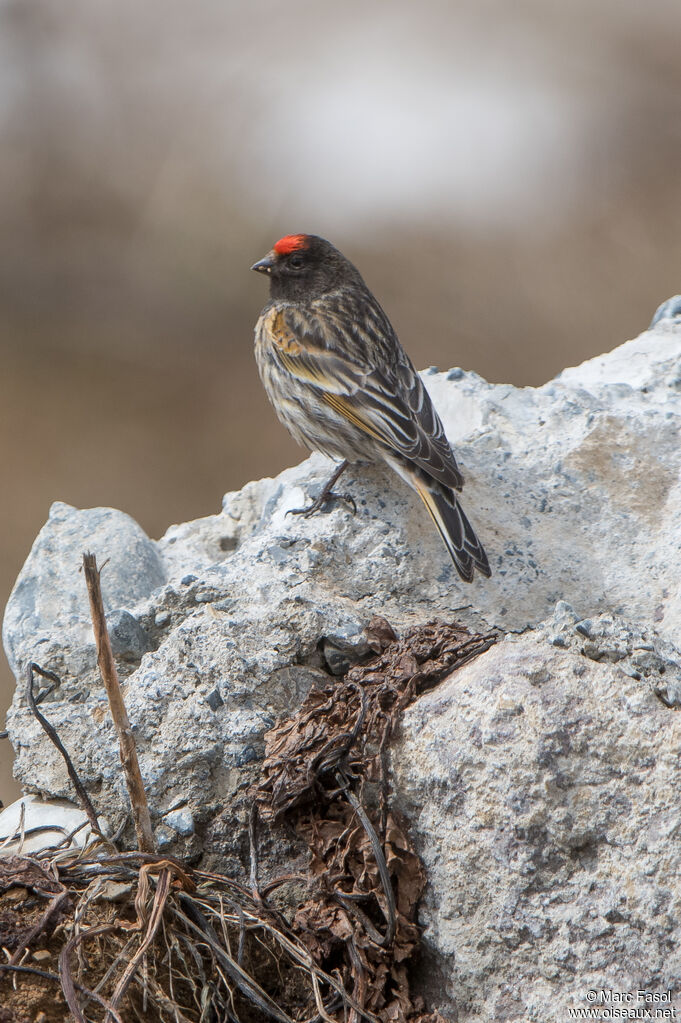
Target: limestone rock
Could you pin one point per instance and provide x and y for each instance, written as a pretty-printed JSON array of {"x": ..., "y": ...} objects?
[
  {"x": 542, "y": 784},
  {"x": 45, "y": 613},
  {"x": 541, "y": 779},
  {"x": 44, "y": 825},
  {"x": 669, "y": 310}
]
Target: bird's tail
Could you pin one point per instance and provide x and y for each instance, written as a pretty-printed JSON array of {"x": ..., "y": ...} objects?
[{"x": 465, "y": 549}]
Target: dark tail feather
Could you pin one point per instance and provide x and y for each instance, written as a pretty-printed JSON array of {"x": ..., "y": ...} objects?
[{"x": 459, "y": 536}]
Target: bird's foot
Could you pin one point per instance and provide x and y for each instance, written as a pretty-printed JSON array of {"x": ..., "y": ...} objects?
[
  {"x": 320, "y": 502},
  {"x": 327, "y": 494}
]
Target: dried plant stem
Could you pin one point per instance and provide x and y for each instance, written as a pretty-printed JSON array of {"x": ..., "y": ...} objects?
[
  {"x": 380, "y": 939},
  {"x": 46, "y": 975},
  {"x": 42, "y": 925},
  {"x": 155, "y": 918},
  {"x": 69, "y": 985},
  {"x": 51, "y": 731},
  {"x": 253, "y": 843},
  {"x": 128, "y": 751}
]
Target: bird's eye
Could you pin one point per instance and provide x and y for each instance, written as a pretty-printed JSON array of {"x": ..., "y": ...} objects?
[{"x": 296, "y": 261}]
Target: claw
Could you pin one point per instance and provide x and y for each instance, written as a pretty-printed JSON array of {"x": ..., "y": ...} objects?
[
  {"x": 320, "y": 502},
  {"x": 326, "y": 494}
]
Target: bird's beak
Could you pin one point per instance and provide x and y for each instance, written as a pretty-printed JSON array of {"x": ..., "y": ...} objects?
[{"x": 264, "y": 266}]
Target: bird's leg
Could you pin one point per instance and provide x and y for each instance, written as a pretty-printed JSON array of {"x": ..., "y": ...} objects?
[{"x": 326, "y": 494}]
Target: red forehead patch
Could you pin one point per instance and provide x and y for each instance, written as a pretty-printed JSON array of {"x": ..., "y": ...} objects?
[{"x": 290, "y": 243}]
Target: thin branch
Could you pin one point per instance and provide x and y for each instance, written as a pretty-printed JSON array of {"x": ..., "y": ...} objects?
[
  {"x": 243, "y": 980},
  {"x": 253, "y": 845},
  {"x": 69, "y": 985},
  {"x": 87, "y": 806},
  {"x": 381, "y": 939},
  {"x": 42, "y": 925},
  {"x": 128, "y": 751},
  {"x": 162, "y": 890},
  {"x": 359, "y": 976}
]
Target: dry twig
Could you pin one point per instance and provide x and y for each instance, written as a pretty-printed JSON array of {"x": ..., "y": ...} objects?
[
  {"x": 156, "y": 939},
  {"x": 87, "y": 806},
  {"x": 128, "y": 751}
]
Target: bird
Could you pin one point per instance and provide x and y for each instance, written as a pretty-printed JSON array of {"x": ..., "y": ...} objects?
[{"x": 342, "y": 384}]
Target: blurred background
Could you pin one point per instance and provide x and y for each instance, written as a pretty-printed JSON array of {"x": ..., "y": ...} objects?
[{"x": 506, "y": 176}]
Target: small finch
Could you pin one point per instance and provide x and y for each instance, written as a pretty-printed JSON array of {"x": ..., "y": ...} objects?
[{"x": 342, "y": 384}]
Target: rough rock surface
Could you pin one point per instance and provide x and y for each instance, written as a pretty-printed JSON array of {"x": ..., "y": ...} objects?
[{"x": 542, "y": 779}]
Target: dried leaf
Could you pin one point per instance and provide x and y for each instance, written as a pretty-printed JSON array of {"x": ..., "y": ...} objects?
[
  {"x": 21, "y": 871},
  {"x": 338, "y": 737}
]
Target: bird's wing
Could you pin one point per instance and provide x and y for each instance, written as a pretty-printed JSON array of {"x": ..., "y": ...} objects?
[{"x": 389, "y": 403}]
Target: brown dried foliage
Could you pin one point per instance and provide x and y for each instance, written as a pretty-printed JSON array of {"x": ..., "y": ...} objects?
[
  {"x": 136, "y": 936},
  {"x": 144, "y": 938},
  {"x": 325, "y": 772},
  {"x": 16, "y": 871}
]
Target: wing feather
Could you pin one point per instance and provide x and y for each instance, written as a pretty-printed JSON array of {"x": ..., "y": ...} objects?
[{"x": 388, "y": 402}]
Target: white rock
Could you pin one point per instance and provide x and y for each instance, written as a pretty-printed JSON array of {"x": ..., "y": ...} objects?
[
  {"x": 542, "y": 778},
  {"x": 45, "y": 611},
  {"x": 56, "y": 819},
  {"x": 180, "y": 821},
  {"x": 542, "y": 787}
]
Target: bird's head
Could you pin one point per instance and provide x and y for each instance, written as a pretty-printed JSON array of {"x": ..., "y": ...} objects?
[{"x": 304, "y": 266}]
